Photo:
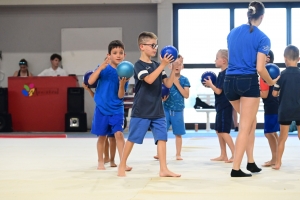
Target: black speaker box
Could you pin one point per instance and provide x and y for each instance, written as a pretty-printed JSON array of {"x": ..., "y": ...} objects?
[
  {"x": 5, "y": 123},
  {"x": 75, "y": 100},
  {"x": 75, "y": 122},
  {"x": 3, "y": 100}
]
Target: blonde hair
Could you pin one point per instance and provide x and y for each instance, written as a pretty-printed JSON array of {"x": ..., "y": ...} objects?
[
  {"x": 223, "y": 53},
  {"x": 145, "y": 36}
]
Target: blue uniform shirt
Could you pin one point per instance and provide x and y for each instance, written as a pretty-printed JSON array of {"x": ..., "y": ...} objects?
[
  {"x": 243, "y": 47},
  {"x": 106, "y": 93},
  {"x": 175, "y": 101}
]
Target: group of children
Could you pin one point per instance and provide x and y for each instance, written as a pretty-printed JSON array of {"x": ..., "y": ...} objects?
[{"x": 152, "y": 111}]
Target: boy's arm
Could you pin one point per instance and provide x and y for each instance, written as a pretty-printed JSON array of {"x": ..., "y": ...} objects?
[
  {"x": 276, "y": 90},
  {"x": 168, "y": 82},
  {"x": 95, "y": 75},
  {"x": 184, "y": 91},
  {"x": 264, "y": 88},
  {"x": 122, "y": 83},
  {"x": 209, "y": 83},
  {"x": 153, "y": 76},
  {"x": 88, "y": 89}
]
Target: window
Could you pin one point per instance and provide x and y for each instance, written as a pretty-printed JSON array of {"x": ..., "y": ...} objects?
[
  {"x": 201, "y": 33},
  {"x": 295, "y": 27},
  {"x": 273, "y": 25}
]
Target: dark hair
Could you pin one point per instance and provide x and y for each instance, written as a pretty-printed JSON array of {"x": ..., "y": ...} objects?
[
  {"x": 114, "y": 44},
  {"x": 53, "y": 56},
  {"x": 271, "y": 55},
  {"x": 255, "y": 10},
  {"x": 23, "y": 62},
  {"x": 291, "y": 52}
]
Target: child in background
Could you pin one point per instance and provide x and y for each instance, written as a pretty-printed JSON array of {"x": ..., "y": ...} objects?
[
  {"x": 271, "y": 125},
  {"x": 289, "y": 99},
  {"x": 223, "y": 108}
]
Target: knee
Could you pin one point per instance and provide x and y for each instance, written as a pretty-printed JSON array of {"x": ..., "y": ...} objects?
[{"x": 119, "y": 135}]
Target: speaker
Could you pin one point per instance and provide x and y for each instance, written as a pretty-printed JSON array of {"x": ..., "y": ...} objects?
[
  {"x": 75, "y": 122},
  {"x": 3, "y": 100},
  {"x": 75, "y": 100},
  {"x": 5, "y": 123}
]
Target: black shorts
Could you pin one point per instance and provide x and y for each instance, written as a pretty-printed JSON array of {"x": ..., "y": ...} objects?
[
  {"x": 288, "y": 123},
  {"x": 224, "y": 120}
]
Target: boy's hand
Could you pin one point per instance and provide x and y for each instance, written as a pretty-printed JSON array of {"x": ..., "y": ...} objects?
[
  {"x": 165, "y": 98},
  {"x": 123, "y": 80},
  {"x": 105, "y": 63},
  {"x": 85, "y": 86},
  {"x": 167, "y": 59},
  {"x": 208, "y": 82}
]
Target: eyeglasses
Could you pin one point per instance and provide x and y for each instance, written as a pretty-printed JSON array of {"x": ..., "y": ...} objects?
[
  {"x": 153, "y": 46},
  {"x": 22, "y": 63}
]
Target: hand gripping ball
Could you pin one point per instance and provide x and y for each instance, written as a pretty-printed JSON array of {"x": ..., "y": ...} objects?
[
  {"x": 209, "y": 74},
  {"x": 125, "y": 69},
  {"x": 169, "y": 50}
]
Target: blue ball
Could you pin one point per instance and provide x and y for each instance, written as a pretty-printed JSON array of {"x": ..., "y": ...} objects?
[
  {"x": 170, "y": 50},
  {"x": 211, "y": 75},
  {"x": 125, "y": 69},
  {"x": 273, "y": 70},
  {"x": 86, "y": 79},
  {"x": 164, "y": 91}
]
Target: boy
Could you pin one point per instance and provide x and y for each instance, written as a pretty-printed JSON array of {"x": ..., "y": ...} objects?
[
  {"x": 289, "y": 98},
  {"x": 147, "y": 110},
  {"x": 271, "y": 125},
  {"x": 174, "y": 105},
  {"x": 109, "y": 94},
  {"x": 223, "y": 108},
  {"x": 110, "y": 141}
]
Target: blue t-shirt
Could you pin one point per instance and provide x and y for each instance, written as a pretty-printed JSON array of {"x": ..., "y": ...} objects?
[
  {"x": 175, "y": 101},
  {"x": 221, "y": 101},
  {"x": 243, "y": 47},
  {"x": 147, "y": 101},
  {"x": 106, "y": 93}
]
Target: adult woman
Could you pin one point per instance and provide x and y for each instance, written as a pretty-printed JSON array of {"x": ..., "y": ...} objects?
[
  {"x": 23, "y": 72},
  {"x": 247, "y": 47}
]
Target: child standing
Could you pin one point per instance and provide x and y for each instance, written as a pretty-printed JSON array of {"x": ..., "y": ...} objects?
[
  {"x": 174, "y": 105},
  {"x": 147, "y": 110},
  {"x": 271, "y": 125},
  {"x": 110, "y": 141},
  {"x": 289, "y": 98},
  {"x": 109, "y": 94},
  {"x": 223, "y": 108}
]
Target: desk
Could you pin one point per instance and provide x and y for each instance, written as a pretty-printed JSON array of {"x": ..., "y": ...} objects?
[{"x": 39, "y": 104}]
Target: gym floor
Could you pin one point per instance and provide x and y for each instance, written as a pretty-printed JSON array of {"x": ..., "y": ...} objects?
[{"x": 65, "y": 168}]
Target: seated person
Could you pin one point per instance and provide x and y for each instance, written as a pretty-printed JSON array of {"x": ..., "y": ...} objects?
[
  {"x": 54, "y": 70},
  {"x": 23, "y": 72}
]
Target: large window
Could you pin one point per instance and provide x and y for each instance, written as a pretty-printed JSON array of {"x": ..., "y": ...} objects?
[
  {"x": 273, "y": 25},
  {"x": 295, "y": 27},
  {"x": 201, "y": 33}
]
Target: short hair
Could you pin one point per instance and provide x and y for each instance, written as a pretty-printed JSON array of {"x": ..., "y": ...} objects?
[
  {"x": 255, "y": 10},
  {"x": 224, "y": 53},
  {"x": 55, "y": 55},
  {"x": 271, "y": 55},
  {"x": 115, "y": 44},
  {"x": 23, "y": 62},
  {"x": 143, "y": 36},
  {"x": 291, "y": 52}
]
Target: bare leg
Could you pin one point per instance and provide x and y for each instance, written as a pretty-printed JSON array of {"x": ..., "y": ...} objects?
[
  {"x": 235, "y": 118},
  {"x": 223, "y": 156},
  {"x": 164, "y": 171},
  {"x": 112, "y": 150},
  {"x": 250, "y": 144},
  {"x": 100, "y": 150},
  {"x": 228, "y": 140},
  {"x": 247, "y": 107},
  {"x": 284, "y": 130},
  {"x": 178, "y": 146},
  {"x": 122, "y": 166},
  {"x": 106, "y": 151},
  {"x": 120, "y": 146},
  {"x": 298, "y": 128},
  {"x": 273, "y": 143}
]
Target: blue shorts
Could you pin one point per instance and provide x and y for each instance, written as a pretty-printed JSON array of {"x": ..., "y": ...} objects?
[
  {"x": 138, "y": 128},
  {"x": 271, "y": 124},
  {"x": 175, "y": 118},
  {"x": 103, "y": 125},
  {"x": 224, "y": 120},
  {"x": 237, "y": 86}
]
